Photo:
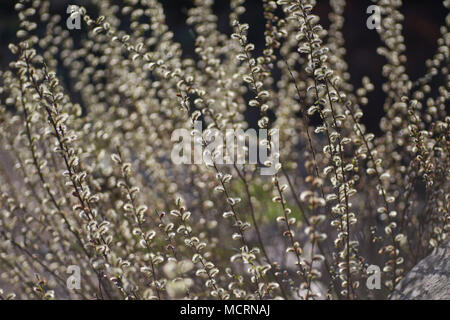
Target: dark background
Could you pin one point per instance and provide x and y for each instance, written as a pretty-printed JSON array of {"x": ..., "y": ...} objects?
[{"x": 421, "y": 30}]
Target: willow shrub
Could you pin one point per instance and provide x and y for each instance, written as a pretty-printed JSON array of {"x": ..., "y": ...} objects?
[{"x": 89, "y": 189}]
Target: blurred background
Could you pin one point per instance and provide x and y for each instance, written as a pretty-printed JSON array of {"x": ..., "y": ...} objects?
[{"x": 421, "y": 30}]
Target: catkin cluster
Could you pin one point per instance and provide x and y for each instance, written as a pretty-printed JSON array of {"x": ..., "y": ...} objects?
[{"x": 87, "y": 181}]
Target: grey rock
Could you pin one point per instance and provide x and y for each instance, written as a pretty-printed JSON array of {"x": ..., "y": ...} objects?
[{"x": 429, "y": 279}]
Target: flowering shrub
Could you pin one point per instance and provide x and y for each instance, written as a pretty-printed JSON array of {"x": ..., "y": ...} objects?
[{"x": 96, "y": 208}]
